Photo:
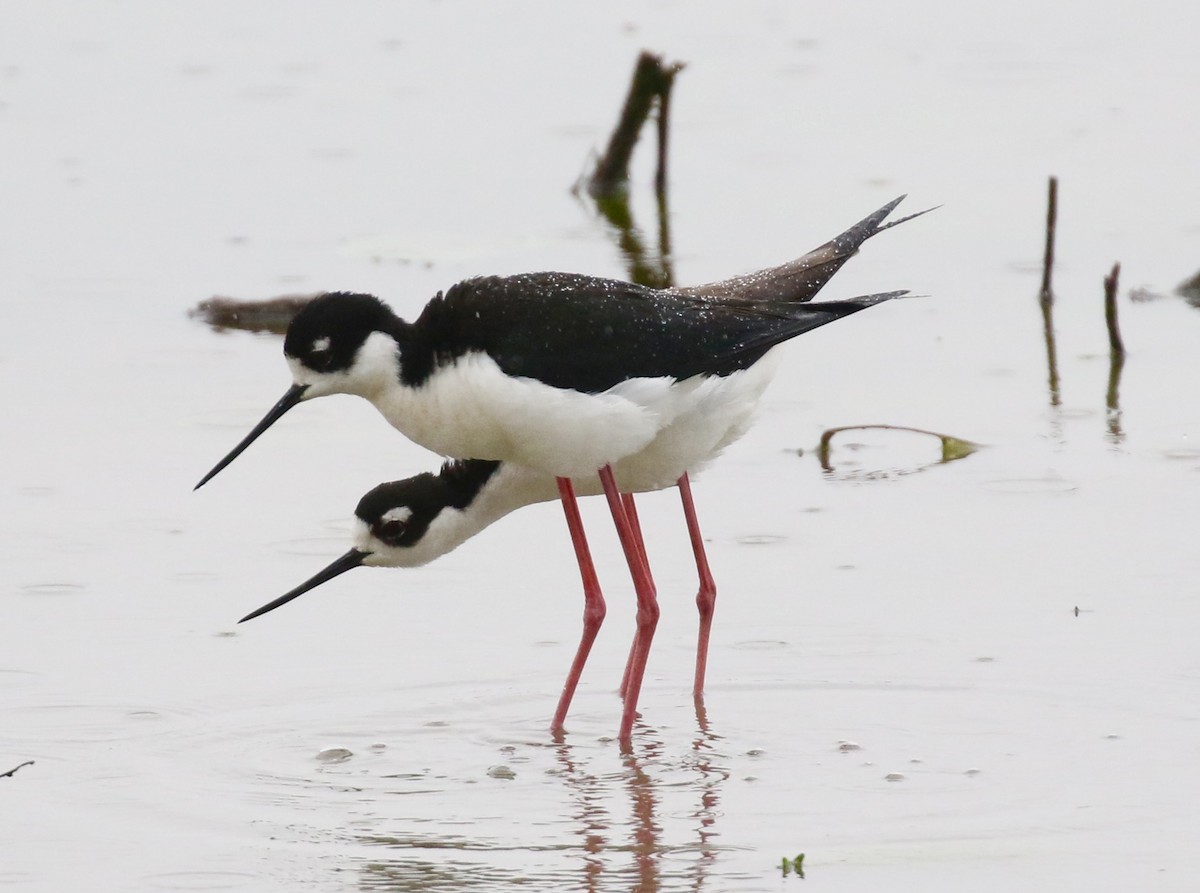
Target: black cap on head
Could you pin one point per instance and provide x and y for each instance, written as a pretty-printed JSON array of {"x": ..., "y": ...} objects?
[{"x": 328, "y": 331}]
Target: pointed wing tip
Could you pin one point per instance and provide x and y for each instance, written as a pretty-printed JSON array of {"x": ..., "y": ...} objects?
[
  {"x": 903, "y": 219},
  {"x": 881, "y": 297}
]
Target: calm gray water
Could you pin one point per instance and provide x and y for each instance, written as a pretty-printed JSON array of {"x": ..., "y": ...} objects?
[{"x": 979, "y": 675}]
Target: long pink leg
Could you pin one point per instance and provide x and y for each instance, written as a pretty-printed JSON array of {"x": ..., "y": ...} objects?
[
  {"x": 593, "y": 600},
  {"x": 647, "y": 611},
  {"x": 636, "y": 526},
  {"x": 706, "y": 598}
]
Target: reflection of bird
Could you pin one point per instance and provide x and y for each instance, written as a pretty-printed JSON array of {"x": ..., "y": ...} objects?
[{"x": 570, "y": 376}]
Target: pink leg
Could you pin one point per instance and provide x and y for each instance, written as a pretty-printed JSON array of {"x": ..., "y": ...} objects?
[
  {"x": 593, "y": 600},
  {"x": 634, "y": 523},
  {"x": 636, "y": 526},
  {"x": 706, "y": 598},
  {"x": 647, "y": 611}
]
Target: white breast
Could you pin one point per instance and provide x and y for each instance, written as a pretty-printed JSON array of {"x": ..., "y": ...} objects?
[{"x": 709, "y": 415}]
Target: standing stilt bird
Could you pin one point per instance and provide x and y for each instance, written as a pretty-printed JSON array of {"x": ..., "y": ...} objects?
[{"x": 566, "y": 376}]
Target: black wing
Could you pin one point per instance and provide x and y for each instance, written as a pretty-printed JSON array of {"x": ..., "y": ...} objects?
[{"x": 589, "y": 334}]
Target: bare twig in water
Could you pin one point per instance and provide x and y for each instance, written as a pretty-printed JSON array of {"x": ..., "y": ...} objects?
[
  {"x": 1116, "y": 355},
  {"x": 1051, "y": 226},
  {"x": 664, "y": 120},
  {"x": 271, "y": 315},
  {"x": 1110, "y": 310},
  {"x": 652, "y": 80},
  {"x": 952, "y": 447},
  {"x": 12, "y": 771},
  {"x": 1046, "y": 296},
  {"x": 608, "y": 185}
]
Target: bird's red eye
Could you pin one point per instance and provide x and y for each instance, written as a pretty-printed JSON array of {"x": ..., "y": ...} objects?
[{"x": 389, "y": 531}]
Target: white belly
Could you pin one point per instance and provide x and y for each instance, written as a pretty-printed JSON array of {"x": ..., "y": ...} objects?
[
  {"x": 472, "y": 410},
  {"x": 718, "y": 412},
  {"x": 709, "y": 415}
]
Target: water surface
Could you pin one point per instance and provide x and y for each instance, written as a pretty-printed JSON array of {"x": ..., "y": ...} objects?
[{"x": 977, "y": 675}]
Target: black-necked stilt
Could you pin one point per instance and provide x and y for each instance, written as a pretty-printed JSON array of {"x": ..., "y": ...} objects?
[
  {"x": 566, "y": 375},
  {"x": 412, "y": 522}
]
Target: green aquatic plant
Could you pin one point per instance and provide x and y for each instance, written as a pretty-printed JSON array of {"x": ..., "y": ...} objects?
[
  {"x": 796, "y": 866},
  {"x": 953, "y": 448}
]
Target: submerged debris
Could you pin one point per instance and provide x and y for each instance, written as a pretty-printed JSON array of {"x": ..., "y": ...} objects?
[
  {"x": 334, "y": 755},
  {"x": 1189, "y": 290},
  {"x": 271, "y": 315},
  {"x": 651, "y": 85},
  {"x": 11, "y": 772},
  {"x": 953, "y": 448}
]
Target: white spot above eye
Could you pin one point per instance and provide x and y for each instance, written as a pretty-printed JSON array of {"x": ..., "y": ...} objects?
[
  {"x": 400, "y": 513},
  {"x": 320, "y": 345}
]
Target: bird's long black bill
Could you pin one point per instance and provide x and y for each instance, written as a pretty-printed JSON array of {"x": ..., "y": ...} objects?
[
  {"x": 347, "y": 562},
  {"x": 293, "y": 396}
]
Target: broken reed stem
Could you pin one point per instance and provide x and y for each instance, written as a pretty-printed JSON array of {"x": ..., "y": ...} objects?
[
  {"x": 666, "y": 82},
  {"x": 612, "y": 170},
  {"x": 652, "y": 80},
  {"x": 608, "y": 184},
  {"x": 1116, "y": 356},
  {"x": 1047, "y": 296},
  {"x": 1115, "y": 345},
  {"x": 272, "y": 315}
]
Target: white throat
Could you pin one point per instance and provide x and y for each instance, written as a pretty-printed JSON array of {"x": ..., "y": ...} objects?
[{"x": 375, "y": 370}]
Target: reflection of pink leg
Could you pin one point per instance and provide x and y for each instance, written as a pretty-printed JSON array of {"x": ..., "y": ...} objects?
[
  {"x": 706, "y": 598},
  {"x": 647, "y": 611},
  {"x": 636, "y": 526},
  {"x": 593, "y": 600}
]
